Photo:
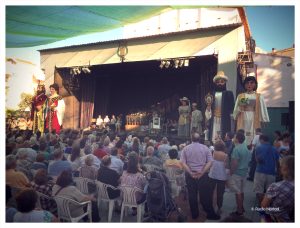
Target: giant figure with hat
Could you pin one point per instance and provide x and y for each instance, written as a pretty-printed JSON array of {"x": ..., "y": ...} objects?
[
  {"x": 219, "y": 108},
  {"x": 250, "y": 109},
  {"x": 184, "y": 117},
  {"x": 38, "y": 105}
]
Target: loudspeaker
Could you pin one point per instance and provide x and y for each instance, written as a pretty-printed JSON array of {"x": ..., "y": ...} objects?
[
  {"x": 291, "y": 116},
  {"x": 284, "y": 119}
]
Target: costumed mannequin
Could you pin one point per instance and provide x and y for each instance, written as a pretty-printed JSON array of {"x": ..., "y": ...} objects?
[
  {"x": 219, "y": 108},
  {"x": 250, "y": 109},
  {"x": 184, "y": 117},
  {"x": 196, "y": 120},
  {"x": 55, "y": 109},
  {"x": 38, "y": 105}
]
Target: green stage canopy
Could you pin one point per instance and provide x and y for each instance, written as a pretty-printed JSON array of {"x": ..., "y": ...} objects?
[{"x": 28, "y": 26}]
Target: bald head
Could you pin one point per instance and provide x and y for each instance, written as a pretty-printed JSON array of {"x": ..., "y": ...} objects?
[{"x": 195, "y": 137}]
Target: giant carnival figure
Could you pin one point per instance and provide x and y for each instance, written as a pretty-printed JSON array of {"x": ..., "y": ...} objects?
[
  {"x": 250, "y": 109},
  {"x": 219, "y": 108},
  {"x": 38, "y": 105},
  {"x": 55, "y": 109}
]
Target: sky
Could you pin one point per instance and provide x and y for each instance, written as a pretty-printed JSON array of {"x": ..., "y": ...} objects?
[{"x": 272, "y": 26}]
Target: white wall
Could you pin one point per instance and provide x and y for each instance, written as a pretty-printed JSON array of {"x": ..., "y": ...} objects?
[
  {"x": 276, "y": 79},
  {"x": 227, "y": 48},
  {"x": 181, "y": 20}
]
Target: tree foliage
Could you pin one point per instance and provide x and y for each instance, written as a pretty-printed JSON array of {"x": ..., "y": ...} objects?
[{"x": 25, "y": 102}]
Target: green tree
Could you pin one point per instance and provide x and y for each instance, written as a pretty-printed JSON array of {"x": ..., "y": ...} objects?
[{"x": 25, "y": 102}]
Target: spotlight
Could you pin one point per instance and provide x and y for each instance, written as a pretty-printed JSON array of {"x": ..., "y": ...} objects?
[
  {"x": 86, "y": 70},
  {"x": 176, "y": 63},
  {"x": 168, "y": 63},
  {"x": 162, "y": 63},
  {"x": 186, "y": 62},
  {"x": 181, "y": 62}
]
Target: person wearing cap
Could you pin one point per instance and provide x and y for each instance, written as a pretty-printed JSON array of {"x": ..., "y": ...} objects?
[
  {"x": 184, "y": 118},
  {"x": 196, "y": 120},
  {"x": 38, "y": 105},
  {"x": 250, "y": 109},
  {"x": 218, "y": 111}
]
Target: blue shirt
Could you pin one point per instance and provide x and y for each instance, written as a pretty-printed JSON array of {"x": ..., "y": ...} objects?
[
  {"x": 56, "y": 167},
  {"x": 243, "y": 156},
  {"x": 267, "y": 158}
]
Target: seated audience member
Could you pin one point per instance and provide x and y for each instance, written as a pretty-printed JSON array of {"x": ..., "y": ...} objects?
[
  {"x": 26, "y": 201},
  {"x": 88, "y": 152},
  {"x": 100, "y": 152},
  {"x": 164, "y": 148},
  {"x": 39, "y": 163},
  {"x": 133, "y": 176},
  {"x": 10, "y": 211},
  {"x": 282, "y": 194},
  {"x": 109, "y": 176},
  {"x": 116, "y": 163},
  {"x": 173, "y": 161},
  {"x": 58, "y": 165},
  {"x": 88, "y": 170},
  {"x": 64, "y": 187},
  {"x": 42, "y": 184},
  {"x": 15, "y": 179},
  {"x": 75, "y": 157},
  {"x": 151, "y": 160},
  {"x": 43, "y": 150}
]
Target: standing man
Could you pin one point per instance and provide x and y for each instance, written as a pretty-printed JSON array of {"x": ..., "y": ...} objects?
[
  {"x": 197, "y": 160},
  {"x": 267, "y": 159},
  {"x": 38, "y": 104},
  {"x": 240, "y": 158},
  {"x": 196, "y": 120},
  {"x": 218, "y": 111}
]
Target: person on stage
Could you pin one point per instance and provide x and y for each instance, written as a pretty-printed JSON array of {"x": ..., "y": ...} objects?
[
  {"x": 38, "y": 105},
  {"x": 55, "y": 109},
  {"x": 184, "y": 118},
  {"x": 219, "y": 109},
  {"x": 196, "y": 120},
  {"x": 250, "y": 110}
]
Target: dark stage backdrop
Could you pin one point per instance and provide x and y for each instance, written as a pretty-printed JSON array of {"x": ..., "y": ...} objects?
[{"x": 136, "y": 86}]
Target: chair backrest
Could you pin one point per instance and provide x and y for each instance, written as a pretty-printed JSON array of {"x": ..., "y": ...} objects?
[
  {"x": 102, "y": 189},
  {"x": 63, "y": 208},
  {"x": 83, "y": 184},
  {"x": 129, "y": 194},
  {"x": 175, "y": 175},
  {"x": 42, "y": 196}
]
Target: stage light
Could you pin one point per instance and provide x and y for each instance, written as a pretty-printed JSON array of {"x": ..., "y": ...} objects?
[
  {"x": 176, "y": 63},
  {"x": 181, "y": 62},
  {"x": 168, "y": 63},
  {"x": 86, "y": 70},
  {"x": 162, "y": 63},
  {"x": 186, "y": 62}
]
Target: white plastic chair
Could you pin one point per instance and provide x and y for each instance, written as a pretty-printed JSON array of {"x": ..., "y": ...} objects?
[
  {"x": 175, "y": 177},
  {"x": 129, "y": 200},
  {"x": 82, "y": 184},
  {"x": 40, "y": 197},
  {"x": 102, "y": 190},
  {"x": 63, "y": 209}
]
